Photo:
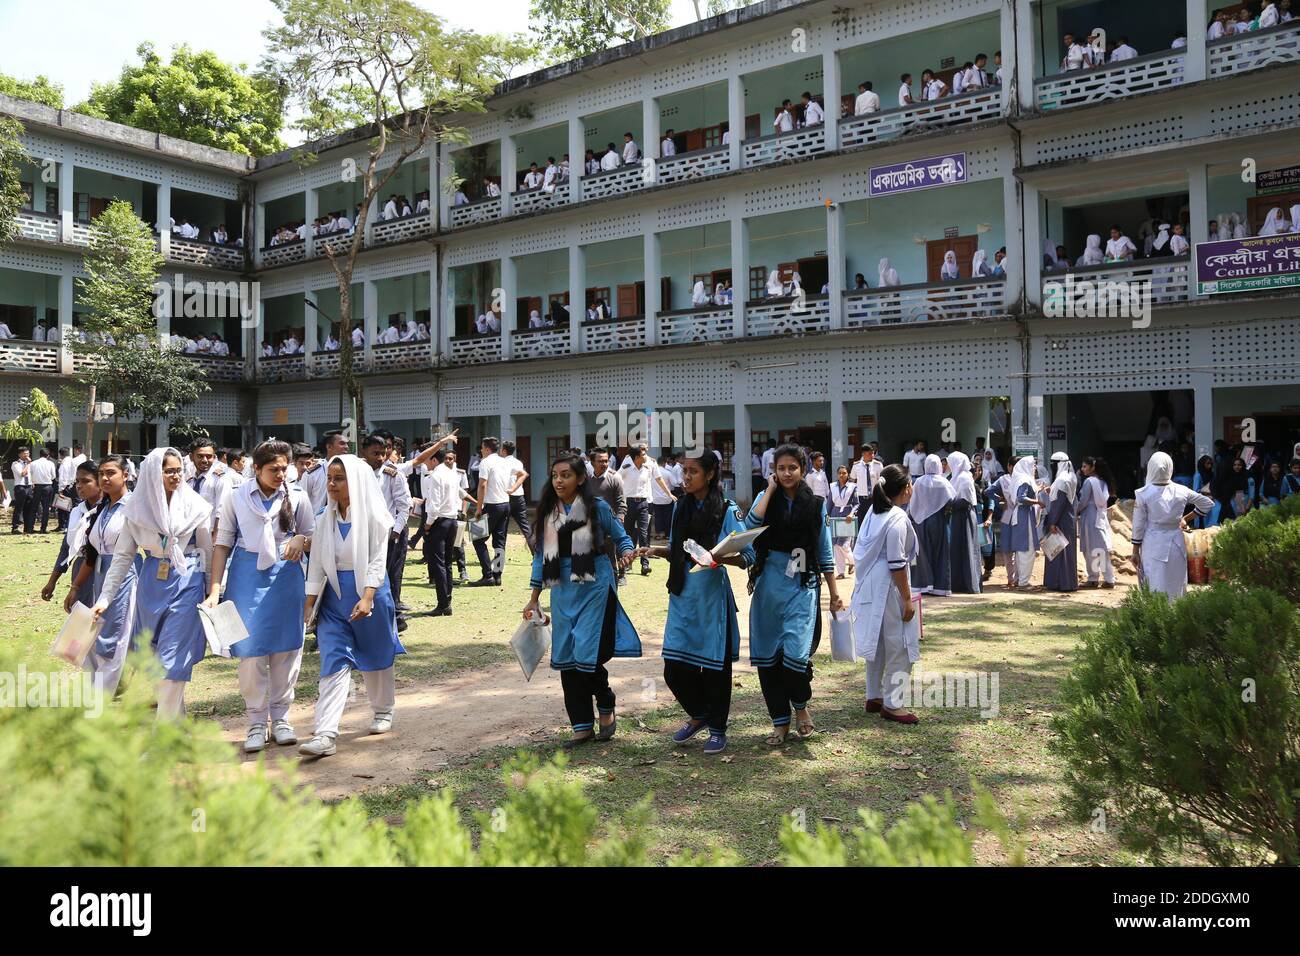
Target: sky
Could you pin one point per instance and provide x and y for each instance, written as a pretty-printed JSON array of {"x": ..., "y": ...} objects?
[{"x": 75, "y": 42}]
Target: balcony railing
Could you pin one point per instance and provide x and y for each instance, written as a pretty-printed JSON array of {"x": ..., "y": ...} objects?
[
  {"x": 386, "y": 232},
  {"x": 539, "y": 343},
  {"x": 337, "y": 244},
  {"x": 691, "y": 326},
  {"x": 401, "y": 357},
  {"x": 282, "y": 368},
  {"x": 284, "y": 253},
  {"x": 696, "y": 164},
  {"x": 80, "y": 234},
  {"x": 531, "y": 200},
  {"x": 1250, "y": 51},
  {"x": 788, "y": 315},
  {"x": 220, "y": 368},
  {"x": 778, "y": 147},
  {"x": 957, "y": 110},
  {"x": 614, "y": 182},
  {"x": 38, "y": 226},
  {"x": 475, "y": 349},
  {"x": 18, "y": 355},
  {"x": 325, "y": 364},
  {"x": 480, "y": 210},
  {"x": 1091, "y": 286},
  {"x": 230, "y": 258},
  {"x": 1142, "y": 74},
  {"x": 925, "y": 302},
  {"x": 611, "y": 335}
]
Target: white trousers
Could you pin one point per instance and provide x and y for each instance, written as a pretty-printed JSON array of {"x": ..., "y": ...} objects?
[
  {"x": 843, "y": 556},
  {"x": 171, "y": 699},
  {"x": 1099, "y": 566},
  {"x": 268, "y": 684},
  {"x": 334, "y": 697},
  {"x": 1024, "y": 567},
  {"x": 890, "y": 673}
]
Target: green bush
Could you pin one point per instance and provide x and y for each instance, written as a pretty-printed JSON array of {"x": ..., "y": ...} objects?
[
  {"x": 1262, "y": 549},
  {"x": 1182, "y": 721}
]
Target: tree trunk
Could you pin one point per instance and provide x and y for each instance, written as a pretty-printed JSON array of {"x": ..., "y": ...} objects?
[{"x": 346, "y": 373}]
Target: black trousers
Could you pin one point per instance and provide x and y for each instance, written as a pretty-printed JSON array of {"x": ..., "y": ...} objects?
[
  {"x": 637, "y": 525},
  {"x": 864, "y": 505},
  {"x": 397, "y": 564},
  {"x": 498, "y": 526},
  {"x": 44, "y": 499},
  {"x": 582, "y": 687},
  {"x": 663, "y": 519},
  {"x": 438, "y": 555},
  {"x": 703, "y": 693},
  {"x": 783, "y": 688},
  {"x": 519, "y": 512},
  {"x": 24, "y": 508},
  {"x": 63, "y": 515}
]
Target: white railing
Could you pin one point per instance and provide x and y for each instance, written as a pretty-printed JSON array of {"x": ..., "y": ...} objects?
[
  {"x": 400, "y": 230},
  {"x": 1250, "y": 51},
  {"x": 611, "y": 335},
  {"x": 326, "y": 364},
  {"x": 20, "y": 356},
  {"x": 37, "y": 226},
  {"x": 282, "y": 368},
  {"x": 693, "y": 165},
  {"x": 338, "y": 244},
  {"x": 958, "y": 110},
  {"x": 688, "y": 326},
  {"x": 475, "y": 349},
  {"x": 220, "y": 368},
  {"x": 788, "y": 315},
  {"x": 531, "y": 200},
  {"x": 778, "y": 147},
  {"x": 1143, "y": 74},
  {"x": 1087, "y": 292},
  {"x": 284, "y": 253},
  {"x": 230, "y": 258},
  {"x": 482, "y": 210},
  {"x": 539, "y": 343},
  {"x": 401, "y": 357},
  {"x": 614, "y": 182},
  {"x": 80, "y": 234},
  {"x": 925, "y": 302}
]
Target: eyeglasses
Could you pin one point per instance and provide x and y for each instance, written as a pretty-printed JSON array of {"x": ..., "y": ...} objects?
[{"x": 172, "y": 472}]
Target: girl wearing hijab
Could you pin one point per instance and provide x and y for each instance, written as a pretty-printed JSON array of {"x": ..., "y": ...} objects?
[
  {"x": 720, "y": 294},
  {"x": 991, "y": 466},
  {"x": 1004, "y": 511},
  {"x": 356, "y": 626},
  {"x": 987, "y": 504},
  {"x": 1092, "y": 507},
  {"x": 1235, "y": 491},
  {"x": 1050, "y": 262},
  {"x": 785, "y": 603},
  {"x": 1061, "y": 573},
  {"x": 963, "y": 527},
  {"x": 842, "y": 503},
  {"x": 882, "y": 609},
  {"x": 1022, "y": 499},
  {"x": 949, "y": 268},
  {"x": 1159, "y": 510},
  {"x": 701, "y": 636},
  {"x": 699, "y": 296},
  {"x": 979, "y": 266},
  {"x": 774, "y": 287},
  {"x": 266, "y": 525},
  {"x": 888, "y": 274},
  {"x": 929, "y": 510},
  {"x": 1274, "y": 224},
  {"x": 588, "y": 625},
  {"x": 86, "y": 483},
  {"x": 170, "y": 522}
]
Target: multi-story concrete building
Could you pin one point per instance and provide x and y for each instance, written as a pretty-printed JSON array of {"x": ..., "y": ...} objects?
[{"x": 1189, "y": 130}]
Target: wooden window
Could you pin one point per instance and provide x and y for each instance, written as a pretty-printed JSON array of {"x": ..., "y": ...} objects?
[{"x": 757, "y": 282}]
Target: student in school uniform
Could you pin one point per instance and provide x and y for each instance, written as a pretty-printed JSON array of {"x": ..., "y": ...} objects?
[
  {"x": 842, "y": 502},
  {"x": 701, "y": 634},
  {"x": 640, "y": 474},
  {"x": 1062, "y": 572},
  {"x": 171, "y": 524},
  {"x": 864, "y": 474},
  {"x": 493, "y": 500},
  {"x": 264, "y": 529},
  {"x": 588, "y": 625},
  {"x": 518, "y": 504},
  {"x": 70, "y": 559},
  {"x": 1160, "y": 510},
  {"x": 816, "y": 477},
  {"x": 356, "y": 624},
  {"x": 1022, "y": 500},
  {"x": 375, "y": 450},
  {"x": 963, "y": 526},
  {"x": 784, "y": 608},
  {"x": 813, "y": 115},
  {"x": 929, "y": 511}
]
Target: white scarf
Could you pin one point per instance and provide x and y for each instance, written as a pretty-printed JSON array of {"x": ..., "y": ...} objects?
[
  {"x": 1160, "y": 469},
  {"x": 888, "y": 274},
  {"x": 1024, "y": 474},
  {"x": 256, "y": 523},
  {"x": 175, "y": 521},
  {"x": 1065, "y": 482},
  {"x": 931, "y": 492},
  {"x": 367, "y": 513},
  {"x": 871, "y": 540},
  {"x": 963, "y": 482}
]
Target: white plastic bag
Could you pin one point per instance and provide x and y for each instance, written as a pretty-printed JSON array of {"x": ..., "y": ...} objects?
[
  {"x": 478, "y": 528},
  {"x": 531, "y": 641},
  {"x": 842, "y": 645},
  {"x": 1053, "y": 545}
]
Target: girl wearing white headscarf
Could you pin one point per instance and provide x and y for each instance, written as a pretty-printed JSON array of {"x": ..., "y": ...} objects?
[
  {"x": 1274, "y": 224},
  {"x": 169, "y": 521},
  {"x": 979, "y": 265},
  {"x": 949, "y": 268},
  {"x": 929, "y": 509},
  {"x": 1295, "y": 218},
  {"x": 1093, "y": 505},
  {"x": 1061, "y": 573},
  {"x": 1001, "y": 489},
  {"x": 1161, "y": 240},
  {"x": 1267, "y": 16},
  {"x": 720, "y": 294},
  {"x": 963, "y": 527},
  {"x": 774, "y": 287},
  {"x": 699, "y": 295},
  {"x": 356, "y": 626},
  {"x": 888, "y": 274},
  {"x": 1159, "y": 507},
  {"x": 1092, "y": 254},
  {"x": 1022, "y": 498},
  {"x": 265, "y": 524},
  {"x": 992, "y": 467},
  {"x": 1239, "y": 230}
]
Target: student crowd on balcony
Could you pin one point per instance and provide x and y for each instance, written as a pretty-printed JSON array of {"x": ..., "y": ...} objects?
[
  {"x": 399, "y": 207},
  {"x": 217, "y": 237},
  {"x": 208, "y": 343},
  {"x": 1159, "y": 238},
  {"x": 1270, "y": 14},
  {"x": 336, "y": 223},
  {"x": 973, "y": 75}
]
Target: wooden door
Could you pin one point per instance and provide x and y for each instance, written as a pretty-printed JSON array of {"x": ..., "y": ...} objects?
[
  {"x": 524, "y": 307},
  {"x": 464, "y": 319},
  {"x": 690, "y": 140},
  {"x": 94, "y": 206},
  {"x": 814, "y": 273},
  {"x": 627, "y": 300},
  {"x": 963, "y": 246},
  {"x": 754, "y": 126},
  {"x": 524, "y": 452}
]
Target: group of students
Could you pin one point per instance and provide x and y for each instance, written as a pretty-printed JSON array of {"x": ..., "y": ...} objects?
[
  {"x": 335, "y": 223},
  {"x": 1253, "y": 15},
  {"x": 218, "y": 236},
  {"x": 1242, "y": 479},
  {"x": 399, "y": 207},
  {"x": 971, "y": 75}
]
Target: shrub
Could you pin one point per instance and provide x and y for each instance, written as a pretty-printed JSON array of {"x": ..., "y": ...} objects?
[
  {"x": 1183, "y": 720},
  {"x": 1262, "y": 549}
]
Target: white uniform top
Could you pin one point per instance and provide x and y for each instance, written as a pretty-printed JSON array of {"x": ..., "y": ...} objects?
[
  {"x": 816, "y": 480},
  {"x": 667, "y": 147},
  {"x": 865, "y": 475},
  {"x": 1157, "y": 513},
  {"x": 637, "y": 482},
  {"x": 630, "y": 151},
  {"x": 44, "y": 471},
  {"x": 441, "y": 490},
  {"x": 868, "y": 102},
  {"x": 397, "y": 494},
  {"x": 496, "y": 471},
  {"x": 784, "y": 121},
  {"x": 516, "y": 468},
  {"x": 304, "y": 517},
  {"x": 657, "y": 495},
  {"x": 813, "y": 114},
  {"x": 914, "y": 462}
]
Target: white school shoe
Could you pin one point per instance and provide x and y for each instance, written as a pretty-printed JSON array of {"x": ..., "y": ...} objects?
[
  {"x": 282, "y": 730},
  {"x": 382, "y": 723},
  {"x": 256, "y": 739},
  {"x": 321, "y": 745}
]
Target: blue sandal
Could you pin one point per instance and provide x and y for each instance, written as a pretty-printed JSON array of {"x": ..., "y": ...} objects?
[{"x": 690, "y": 730}]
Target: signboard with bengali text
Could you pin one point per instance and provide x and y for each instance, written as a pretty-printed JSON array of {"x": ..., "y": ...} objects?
[
  {"x": 918, "y": 174},
  {"x": 1253, "y": 264}
]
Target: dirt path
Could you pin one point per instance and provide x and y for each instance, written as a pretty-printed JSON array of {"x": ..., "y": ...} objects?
[{"x": 477, "y": 710}]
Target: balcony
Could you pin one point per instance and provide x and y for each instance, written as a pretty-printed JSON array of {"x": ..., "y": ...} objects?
[
  {"x": 925, "y": 302},
  {"x": 475, "y": 349},
  {"x": 779, "y": 147},
  {"x": 326, "y": 364},
  {"x": 539, "y": 343},
  {"x": 612, "y": 335},
  {"x": 229, "y": 258},
  {"x": 1168, "y": 279},
  {"x": 958, "y": 110},
  {"x": 789, "y": 315},
  {"x": 401, "y": 357},
  {"x": 480, "y": 210},
  {"x": 693, "y": 326},
  {"x": 17, "y": 355},
  {"x": 281, "y": 368},
  {"x": 531, "y": 200},
  {"x": 387, "y": 232},
  {"x": 614, "y": 182},
  {"x": 80, "y": 234},
  {"x": 1143, "y": 74},
  {"x": 37, "y": 226},
  {"x": 220, "y": 368},
  {"x": 285, "y": 253},
  {"x": 696, "y": 164},
  {"x": 1250, "y": 51}
]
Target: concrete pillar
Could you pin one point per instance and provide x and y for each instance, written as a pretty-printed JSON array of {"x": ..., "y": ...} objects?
[
  {"x": 577, "y": 296},
  {"x": 311, "y": 211},
  {"x": 311, "y": 327},
  {"x": 577, "y": 157},
  {"x": 832, "y": 88},
  {"x": 1007, "y": 44},
  {"x": 1016, "y": 238},
  {"x": 372, "y": 217},
  {"x": 653, "y": 287},
  {"x": 1033, "y": 246},
  {"x": 443, "y": 197},
  {"x": 836, "y": 264},
  {"x": 164, "y": 214},
  {"x": 736, "y": 121},
  {"x": 509, "y": 157},
  {"x": 442, "y": 317},
  {"x": 67, "y": 204},
  {"x": 1196, "y": 63},
  {"x": 259, "y": 233},
  {"x": 1026, "y": 28},
  {"x": 650, "y": 133},
  {"x": 506, "y": 404},
  {"x": 370, "y": 319},
  {"x": 432, "y": 186},
  {"x": 740, "y": 459},
  {"x": 739, "y": 272},
  {"x": 1198, "y": 207},
  {"x": 66, "y": 298},
  {"x": 577, "y": 425},
  {"x": 1201, "y": 353},
  {"x": 509, "y": 290}
]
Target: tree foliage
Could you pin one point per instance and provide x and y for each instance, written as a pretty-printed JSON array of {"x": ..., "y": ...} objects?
[
  {"x": 40, "y": 90},
  {"x": 1182, "y": 723},
  {"x": 36, "y": 422},
  {"x": 12, "y": 159},
  {"x": 196, "y": 97},
  {"x": 1261, "y": 549},
  {"x": 576, "y": 28}
]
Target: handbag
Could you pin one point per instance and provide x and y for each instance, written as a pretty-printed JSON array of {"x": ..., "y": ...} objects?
[
  {"x": 843, "y": 647},
  {"x": 478, "y": 527}
]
